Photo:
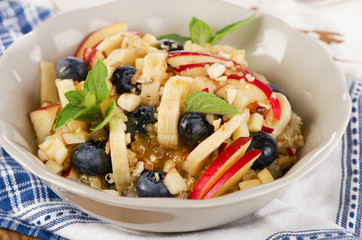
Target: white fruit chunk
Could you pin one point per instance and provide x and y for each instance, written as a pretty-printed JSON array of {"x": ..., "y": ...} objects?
[
  {"x": 174, "y": 94},
  {"x": 53, "y": 167},
  {"x": 265, "y": 176},
  {"x": 153, "y": 76},
  {"x": 48, "y": 90},
  {"x": 121, "y": 57},
  {"x": 197, "y": 157},
  {"x": 43, "y": 120},
  {"x": 53, "y": 148},
  {"x": 64, "y": 86},
  {"x": 255, "y": 122},
  {"x": 75, "y": 138},
  {"x": 72, "y": 173},
  {"x": 249, "y": 183},
  {"x": 174, "y": 182},
  {"x": 119, "y": 155},
  {"x": 232, "y": 95},
  {"x": 285, "y": 116},
  {"x": 129, "y": 101}
]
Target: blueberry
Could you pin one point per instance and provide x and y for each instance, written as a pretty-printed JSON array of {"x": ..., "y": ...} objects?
[
  {"x": 139, "y": 118},
  {"x": 72, "y": 68},
  {"x": 267, "y": 145},
  {"x": 150, "y": 184},
  {"x": 170, "y": 45},
  {"x": 90, "y": 158},
  {"x": 193, "y": 127},
  {"x": 121, "y": 78}
]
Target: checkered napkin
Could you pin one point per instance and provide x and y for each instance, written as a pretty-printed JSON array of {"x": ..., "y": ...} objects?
[{"x": 322, "y": 205}]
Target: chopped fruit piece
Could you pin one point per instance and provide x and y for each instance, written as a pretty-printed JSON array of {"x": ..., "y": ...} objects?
[
  {"x": 267, "y": 129},
  {"x": 238, "y": 99},
  {"x": 71, "y": 174},
  {"x": 233, "y": 175},
  {"x": 255, "y": 122},
  {"x": 174, "y": 93},
  {"x": 174, "y": 182},
  {"x": 53, "y": 167},
  {"x": 43, "y": 120},
  {"x": 290, "y": 151},
  {"x": 119, "y": 154},
  {"x": 197, "y": 157},
  {"x": 249, "y": 183},
  {"x": 92, "y": 55},
  {"x": 179, "y": 58},
  {"x": 96, "y": 37},
  {"x": 129, "y": 101},
  {"x": 264, "y": 176},
  {"x": 64, "y": 86},
  {"x": 48, "y": 90},
  {"x": 153, "y": 75},
  {"x": 285, "y": 115},
  {"x": 75, "y": 138},
  {"x": 219, "y": 166}
]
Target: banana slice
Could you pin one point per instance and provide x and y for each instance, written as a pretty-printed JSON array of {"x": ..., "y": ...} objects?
[{"x": 174, "y": 94}]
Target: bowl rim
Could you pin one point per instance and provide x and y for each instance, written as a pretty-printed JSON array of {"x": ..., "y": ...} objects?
[{"x": 162, "y": 203}]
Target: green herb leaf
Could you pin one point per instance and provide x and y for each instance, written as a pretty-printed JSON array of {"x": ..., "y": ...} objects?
[
  {"x": 75, "y": 97},
  {"x": 68, "y": 113},
  {"x": 90, "y": 99},
  {"x": 200, "y": 32},
  {"x": 90, "y": 114},
  {"x": 96, "y": 82},
  {"x": 109, "y": 113},
  {"x": 175, "y": 37},
  {"x": 206, "y": 102},
  {"x": 229, "y": 29}
]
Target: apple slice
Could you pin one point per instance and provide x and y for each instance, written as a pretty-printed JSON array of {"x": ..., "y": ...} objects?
[
  {"x": 219, "y": 166},
  {"x": 239, "y": 100},
  {"x": 234, "y": 174},
  {"x": 92, "y": 55},
  {"x": 200, "y": 69},
  {"x": 174, "y": 182},
  {"x": 75, "y": 138},
  {"x": 72, "y": 173},
  {"x": 96, "y": 37},
  {"x": 247, "y": 86},
  {"x": 43, "y": 120},
  {"x": 48, "y": 90},
  {"x": 197, "y": 157},
  {"x": 179, "y": 58}
]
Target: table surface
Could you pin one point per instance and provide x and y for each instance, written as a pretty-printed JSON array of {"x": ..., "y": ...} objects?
[{"x": 334, "y": 23}]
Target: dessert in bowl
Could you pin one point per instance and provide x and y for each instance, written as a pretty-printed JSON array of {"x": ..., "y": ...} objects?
[{"x": 272, "y": 49}]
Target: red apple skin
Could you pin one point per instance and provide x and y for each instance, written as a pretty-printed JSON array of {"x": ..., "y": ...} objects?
[
  {"x": 274, "y": 102},
  {"x": 233, "y": 175},
  {"x": 267, "y": 129},
  {"x": 46, "y": 107},
  {"x": 219, "y": 166},
  {"x": 198, "y": 57},
  {"x": 96, "y": 37}
]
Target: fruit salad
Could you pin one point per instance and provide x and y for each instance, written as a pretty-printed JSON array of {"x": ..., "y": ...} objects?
[{"x": 181, "y": 117}]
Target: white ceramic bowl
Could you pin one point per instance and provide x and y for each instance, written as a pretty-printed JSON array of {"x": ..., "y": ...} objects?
[{"x": 294, "y": 62}]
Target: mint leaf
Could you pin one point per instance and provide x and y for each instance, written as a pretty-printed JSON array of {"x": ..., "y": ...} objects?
[
  {"x": 90, "y": 114},
  {"x": 96, "y": 82},
  {"x": 68, "y": 113},
  {"x": 206, "y": 102},
  {"x": 200, "y": 32},
  {"x": 229, "y": 29},
  {"x": 174, "y": 36},
  {"x": 109, "y": 113},
  {"x": 75, "y": 97},
  {"x": 90, "y": 99}
]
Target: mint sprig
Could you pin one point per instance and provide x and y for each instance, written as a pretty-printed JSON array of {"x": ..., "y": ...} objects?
[
  {"x": 201, "y": 33},
  {"x": 206, "y": 102},
  {"x": 85, "y": 105}
]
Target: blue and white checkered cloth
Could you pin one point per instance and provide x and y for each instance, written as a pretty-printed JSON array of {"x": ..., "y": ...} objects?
[{"x": 332, "y": 209}]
